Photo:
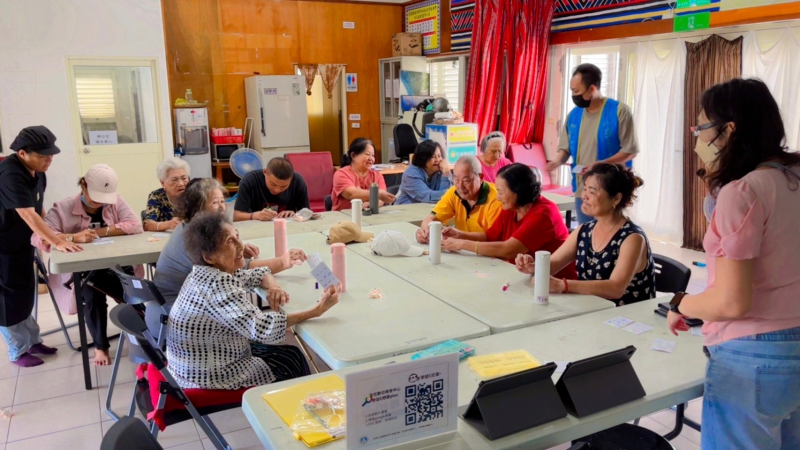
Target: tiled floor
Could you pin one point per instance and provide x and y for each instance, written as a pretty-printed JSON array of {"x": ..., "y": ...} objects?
[{"x": 51, "y": 410}]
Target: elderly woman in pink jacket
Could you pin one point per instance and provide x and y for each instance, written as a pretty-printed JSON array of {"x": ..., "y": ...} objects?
[{"x": 97, "y": 212}]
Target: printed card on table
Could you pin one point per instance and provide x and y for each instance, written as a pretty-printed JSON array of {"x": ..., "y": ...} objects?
[
  {"x": 663, "y": 345},
  {"x": 618, "y": 322},
  {"x": 638, "y": 328}
]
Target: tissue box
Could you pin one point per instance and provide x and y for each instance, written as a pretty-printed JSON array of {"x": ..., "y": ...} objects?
[{"x": 407, "y": 44}]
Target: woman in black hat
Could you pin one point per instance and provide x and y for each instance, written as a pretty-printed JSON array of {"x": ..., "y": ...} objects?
[{"x": 22, "y": 185}]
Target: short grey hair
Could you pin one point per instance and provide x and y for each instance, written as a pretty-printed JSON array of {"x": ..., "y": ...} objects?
[
  {"x": 171, "y": 163},
  {"x": 472, "y": 162},
  {"x": 493, "y": 136}
]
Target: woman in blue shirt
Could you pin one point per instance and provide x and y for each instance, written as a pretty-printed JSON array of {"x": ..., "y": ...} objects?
[{"x": 428, "y": 178}]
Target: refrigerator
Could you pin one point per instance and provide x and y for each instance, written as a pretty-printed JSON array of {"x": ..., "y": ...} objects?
[{"x": 277, "y": 105}]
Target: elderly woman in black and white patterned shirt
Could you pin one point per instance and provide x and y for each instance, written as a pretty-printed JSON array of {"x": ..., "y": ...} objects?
[{"x": 217, "y": 339}]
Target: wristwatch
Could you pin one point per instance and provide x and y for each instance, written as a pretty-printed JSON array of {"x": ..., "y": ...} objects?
[
  {"x": 676, "y": 301},
  {"x": 71, "y": 238}
]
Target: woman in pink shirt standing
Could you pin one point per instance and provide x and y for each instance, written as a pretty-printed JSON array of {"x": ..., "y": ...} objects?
[
  {"x": 492, "y": 157},
  {"x": 751, "y": 307},
  {"x": 356, "y": 176},
  {"x": 97, "y": 212}
]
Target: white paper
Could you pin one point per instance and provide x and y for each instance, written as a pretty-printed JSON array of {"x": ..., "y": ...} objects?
[
  {"x": 103, "y": 137},
  {"x": 324, "y": 276},
  {"x": 663, "y": 345},
  {"x": 578, "y": 168},
  {"x": 561, "y": 366},
  {"x": 137, "y": 284},
  {"x": 697, "y": 331},
  {"x": 132, "y": 339},
  {"x": 314, "y": 260},
  {"x": 398, "y": 403},
  {"x": 618, "y": 322},
  {"x": 396, "y": 88},
  {"x": 638, "y": 328},
  {"x": 102, "y": 241},
  {"x": 388, "y": 88}
]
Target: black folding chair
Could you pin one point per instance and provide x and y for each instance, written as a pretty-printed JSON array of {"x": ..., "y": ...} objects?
[
  {"x": 129, "y": 433},
  {"x": 672, "y": 277},
  {"x": 128, "y": 319},
  {"x": 138, "y": 293},
  {"x": 43, "y": 278}
]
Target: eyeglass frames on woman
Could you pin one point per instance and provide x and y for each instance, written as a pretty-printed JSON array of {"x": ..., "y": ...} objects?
[{"x": 698, "y": 128}]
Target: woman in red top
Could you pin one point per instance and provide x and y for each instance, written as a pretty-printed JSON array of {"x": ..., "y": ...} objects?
[
  {"x": 355, "y": 177},
  {"x": 527, "y": 224}
]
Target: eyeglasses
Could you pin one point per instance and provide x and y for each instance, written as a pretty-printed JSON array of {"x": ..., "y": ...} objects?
[{"x": 698, "y": 128}]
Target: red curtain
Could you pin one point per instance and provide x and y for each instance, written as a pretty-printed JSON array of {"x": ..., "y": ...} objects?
[
  {"x": 485, "y": 65},
  {"x": 519, "y": 30},
  {"x": 527, "y": 39}
]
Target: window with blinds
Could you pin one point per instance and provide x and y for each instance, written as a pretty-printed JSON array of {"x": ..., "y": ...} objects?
[
  {"x": 445, "y": 81},
  {"x": 608, "y": 63},
  {"x": 95, "y": 98}
]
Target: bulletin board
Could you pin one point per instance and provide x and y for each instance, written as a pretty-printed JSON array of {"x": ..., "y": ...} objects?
[{"x": 425, "y": 18}]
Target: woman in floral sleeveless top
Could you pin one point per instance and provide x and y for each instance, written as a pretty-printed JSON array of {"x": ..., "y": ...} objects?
[{"x": 612, "y": 253}]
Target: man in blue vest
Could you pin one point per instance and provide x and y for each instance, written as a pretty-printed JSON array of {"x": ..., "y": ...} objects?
[{"x": 599, "y": 130}]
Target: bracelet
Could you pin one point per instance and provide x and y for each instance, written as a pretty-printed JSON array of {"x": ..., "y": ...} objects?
[
  {"x": 476, "y": 247},
  {"x": 108, "y": 228},
  {"x": 251, "y": 216},
  {"x": 566, "y": 286},
  {"x": 158, "y": 225}
]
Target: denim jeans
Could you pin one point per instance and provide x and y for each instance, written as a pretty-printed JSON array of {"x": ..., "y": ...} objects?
[
  {"x": 752, "y": 393},
  {"x": 21, "y": 337},
  {"x": 582, "y": 218}
]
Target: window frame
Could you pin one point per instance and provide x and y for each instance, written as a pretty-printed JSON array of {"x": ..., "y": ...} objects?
[{"x": 463, "y": 61}]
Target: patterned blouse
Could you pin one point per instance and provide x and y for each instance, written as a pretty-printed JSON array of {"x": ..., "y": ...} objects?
[
  {"x": 159, "y": 208},
  {"x": 599, "y": 265},
  {"x": 211, "y": 326}
]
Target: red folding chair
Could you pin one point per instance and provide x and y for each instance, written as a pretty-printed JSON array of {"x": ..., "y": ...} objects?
[{"x": 317, "y": 171}]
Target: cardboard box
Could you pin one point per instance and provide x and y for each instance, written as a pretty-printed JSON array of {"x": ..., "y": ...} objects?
[{"x": 407, "y": 44}]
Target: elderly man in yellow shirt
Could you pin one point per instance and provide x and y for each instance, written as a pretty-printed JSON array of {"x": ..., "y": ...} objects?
[{"x": 471, "y": 202}]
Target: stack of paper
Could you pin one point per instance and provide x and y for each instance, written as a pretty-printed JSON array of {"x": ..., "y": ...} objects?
[
  {"x": 285, "y": 403},
  {"x": 499, "y": 364}
]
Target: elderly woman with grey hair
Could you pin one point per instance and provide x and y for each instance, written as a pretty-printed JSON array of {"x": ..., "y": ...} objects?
[
  {"x": 492, "y": 157},
  {"x": 217, "y": 338},
  {"x": 173, "y": 173}
]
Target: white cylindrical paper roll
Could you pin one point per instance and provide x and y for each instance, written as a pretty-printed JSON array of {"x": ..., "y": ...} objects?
[
  {"x": 541, "y": 288},
  {"x": 444, "y": 115},
  {"x": 355, "y": 213},
  {"x": 435, "y": 242}
]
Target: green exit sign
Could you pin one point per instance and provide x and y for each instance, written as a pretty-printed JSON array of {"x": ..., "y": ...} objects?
[
  {"x": 691, "y": 3},
  {"x": 692, "y": 22}
]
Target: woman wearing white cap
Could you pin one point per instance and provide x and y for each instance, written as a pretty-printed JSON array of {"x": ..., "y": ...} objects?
[{"x": 97, "y": 212}]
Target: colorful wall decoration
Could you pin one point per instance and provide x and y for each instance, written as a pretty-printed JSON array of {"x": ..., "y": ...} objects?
[
  {"x": 462, "y": 19},
  {"x": 425, "y": 18},
  {"x": 573, "y": 15}
]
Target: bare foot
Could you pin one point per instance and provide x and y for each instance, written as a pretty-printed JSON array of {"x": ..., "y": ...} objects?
[{"x": 101, "y": 358}]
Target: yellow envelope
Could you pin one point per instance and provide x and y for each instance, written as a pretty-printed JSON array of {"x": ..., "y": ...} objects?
[{"x": 286, "y": 401}]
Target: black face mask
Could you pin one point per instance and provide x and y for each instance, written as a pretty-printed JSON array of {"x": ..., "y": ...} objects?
[{"x": 581, "y": 102}]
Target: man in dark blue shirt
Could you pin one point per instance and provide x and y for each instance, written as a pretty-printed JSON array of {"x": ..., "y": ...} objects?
[{"x": 22, "y": 185}]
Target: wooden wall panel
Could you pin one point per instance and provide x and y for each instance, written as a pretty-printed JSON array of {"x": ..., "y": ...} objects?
[{"x": 213, "y": 45}]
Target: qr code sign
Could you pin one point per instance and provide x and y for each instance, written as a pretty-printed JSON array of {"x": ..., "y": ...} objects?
[{"x": 424, "y": 402}]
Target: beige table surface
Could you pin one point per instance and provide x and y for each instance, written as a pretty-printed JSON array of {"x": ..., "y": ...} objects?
[
  {"x": 254, "y": 229},
  {"x": 360, "y": 329},
  {"x": 668, "y": 379},
  {"x": 474, "y": 285},
  {"x": 415, "y": 212},
  {"x": 125, "y": 251}
]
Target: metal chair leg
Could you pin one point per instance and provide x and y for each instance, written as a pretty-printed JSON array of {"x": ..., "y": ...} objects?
[
  {"x": 305, "y": 352},
  {"x": 112, "y": 381}
]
